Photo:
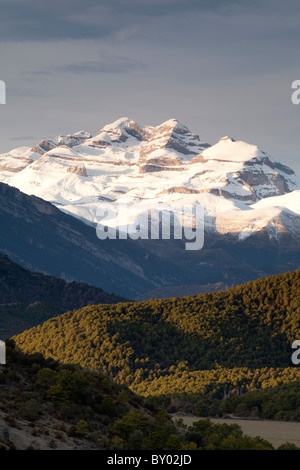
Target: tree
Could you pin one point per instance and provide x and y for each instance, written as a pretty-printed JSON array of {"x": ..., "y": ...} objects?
[{"x": 81, "y": 428}]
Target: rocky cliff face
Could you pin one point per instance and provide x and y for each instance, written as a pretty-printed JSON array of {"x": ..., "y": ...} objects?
[{"x": 168, "y": 145}]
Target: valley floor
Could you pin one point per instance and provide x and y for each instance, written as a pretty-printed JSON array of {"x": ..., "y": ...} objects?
[{"x": 276, "y": 432}]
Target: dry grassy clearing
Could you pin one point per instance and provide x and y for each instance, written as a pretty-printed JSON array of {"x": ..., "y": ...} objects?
[{"x": 276, "y": 432}]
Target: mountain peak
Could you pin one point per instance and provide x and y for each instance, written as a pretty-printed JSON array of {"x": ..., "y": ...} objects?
[
  {"x": 119, "y": 131},
  {"x": 226, "y": 138},
  {"x": 82, "y": 134},
  {"x": 69, "y": 140},
  {"x": 173, "y": 123},
  {"x": 167, "y": 145},
  {"x": 228, "y": 149},
  {"x": 117, "y": 124},
  {"x": 172, "y": 126}
]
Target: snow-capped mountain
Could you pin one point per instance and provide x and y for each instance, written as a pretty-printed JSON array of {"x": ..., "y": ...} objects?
[{"x": 242, "y": 188}]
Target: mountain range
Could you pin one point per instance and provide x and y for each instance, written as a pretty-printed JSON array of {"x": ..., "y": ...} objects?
[
  {"x": 50, "y": 194},
  {"x": 242, "y": 188}
]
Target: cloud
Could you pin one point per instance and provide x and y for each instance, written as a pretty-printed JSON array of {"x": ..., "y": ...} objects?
[
  {"x": 106, "y": 63},
  {"x": 217, "y": 63},
  {"x": 74, "y": 19}
]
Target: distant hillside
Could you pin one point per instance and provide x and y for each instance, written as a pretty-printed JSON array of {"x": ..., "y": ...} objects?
[
  {"x": 28, "y": 298},
  {"x": 42, "y": 238},
  {"x": 213, "y": 342}
]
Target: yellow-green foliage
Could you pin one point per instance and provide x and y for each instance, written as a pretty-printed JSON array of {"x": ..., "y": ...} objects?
[{"x": 239, "y": 338}]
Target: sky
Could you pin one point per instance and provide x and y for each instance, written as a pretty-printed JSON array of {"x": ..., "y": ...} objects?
[{"x": 219, "y": 67}]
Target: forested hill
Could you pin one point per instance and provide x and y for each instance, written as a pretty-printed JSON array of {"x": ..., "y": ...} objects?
[
  {"x": 20, "y": 285},
  {"x": 248, "y": 326},
  {"x": 27, "y": 298},
  {"x": 49, "y": 406}
]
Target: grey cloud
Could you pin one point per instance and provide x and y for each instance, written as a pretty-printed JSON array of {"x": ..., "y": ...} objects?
[
  {"x": 108, "y": 64},
  {"x": 75, "y": 19},
  {"x": 218, "y": 63},
  {"x": 104, "y": 65}
]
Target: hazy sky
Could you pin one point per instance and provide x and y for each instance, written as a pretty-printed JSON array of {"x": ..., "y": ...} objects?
[{"x": 219, "y": 67}]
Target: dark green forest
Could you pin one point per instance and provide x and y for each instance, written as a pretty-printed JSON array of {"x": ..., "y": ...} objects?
[
  {"x": 204, "y": 350},
  {"x": 28, "y": 298},
  {"x": 86, "y": 410}
]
